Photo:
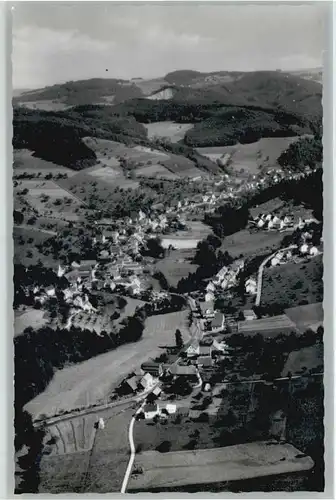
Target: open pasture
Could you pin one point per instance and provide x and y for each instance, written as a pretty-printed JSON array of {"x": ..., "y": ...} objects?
[
  {"x": 308, "y": 316},
  {"x": 157, "y": 171},
  {"x": 45, "y": 104},
  {"x": 143, "y": 156},
  {"x": 188, "y": 238},
  {"x": 148, "y": 86},
  {"x": 252, "y": 157},
  {"x": 171, "y": 130},
  {"x": 232, "y": 463},
  {"x": 177, "y": 265},
  {"x": 250, "y": 243}
]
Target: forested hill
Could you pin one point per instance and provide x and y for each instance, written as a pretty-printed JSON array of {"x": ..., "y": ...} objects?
[
  {"x": 265, "y": 89},
  {"x": 225, "y": 108}
]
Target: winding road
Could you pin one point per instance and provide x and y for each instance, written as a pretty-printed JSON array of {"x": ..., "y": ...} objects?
[{"x": 197, "y": 334}]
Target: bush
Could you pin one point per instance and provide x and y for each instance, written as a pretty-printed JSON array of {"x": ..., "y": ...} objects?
[{"x": 164, "y": 447}]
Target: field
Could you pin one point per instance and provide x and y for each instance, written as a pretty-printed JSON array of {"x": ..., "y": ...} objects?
[
  {"x": 290, "y": 284},
  {"x": 156, "y": 171},
  {"x": 171, "y": 130},
  {"x": 93, "y": 380},
  {"x": 101, "y": 320},
  {"x": 250, "y": 243},
  {"x": 30, "y": 317},
  {"x": 196, "y": 232},
  {"x": 304, "y": 317},
  {"x": 25, "y": 241},
  {"x": 271, "y": 327},
  {"x": 24, "y": 162},
  {"x": 174, "y": 469},
  {"x": 49, "y": 198},
  {"x": 177, "y": 265},
  {"x": 307, "y": 358},
  {"x": 69, "y": 466},
  {"x": 250, "y": 157},
  {"x": 45, "y": 105},
  {"x": 142, "y": 156}
]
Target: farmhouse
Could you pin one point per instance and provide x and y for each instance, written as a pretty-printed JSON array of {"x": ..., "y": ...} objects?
[
  {"x": 183, "y": 370},
  {"x": 151, "y": 410},
  {"x": 130, "y": 385},
  {"x": 147, "y": 381}
]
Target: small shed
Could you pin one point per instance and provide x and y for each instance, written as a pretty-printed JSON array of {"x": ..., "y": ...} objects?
[{"x": 249, "y": 315}]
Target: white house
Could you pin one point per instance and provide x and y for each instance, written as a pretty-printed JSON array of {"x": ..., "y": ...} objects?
[
  {"x": 171, "y": 408},
  {"x": 304, "y": 248},
  {"x": 210, "y": 287},
  {"x": 251, "y": 286},
  {"x": 275, "y": 261},
  {"x": 192, "y": 350},
  {"x": 260, "y": 223},
  {"x": 101, "y": 423},
  {"x": 313, "y": 251},
  {"x": 209, "y": 297},
  {"x": 61, "y": 271},
  {"x": 50, "y": 290}
]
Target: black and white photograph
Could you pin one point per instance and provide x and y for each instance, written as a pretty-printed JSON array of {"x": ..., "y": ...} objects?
[{"x": 168, "y": 247}]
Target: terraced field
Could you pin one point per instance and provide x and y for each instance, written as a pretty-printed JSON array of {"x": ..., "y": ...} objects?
[{"x": 85, "y": 459}]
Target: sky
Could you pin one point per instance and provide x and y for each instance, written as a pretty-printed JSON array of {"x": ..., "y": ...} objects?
[{"x": 55, "y": 42}]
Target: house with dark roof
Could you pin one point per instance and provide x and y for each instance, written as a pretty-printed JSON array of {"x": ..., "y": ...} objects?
[
  {"x": 205, "y": 361},
  {"x": 183, "y": 370},
  {"x": 155, "y": 369},
  {"x": 218, "y": 322},
  {"x": 151, "y": 410}
]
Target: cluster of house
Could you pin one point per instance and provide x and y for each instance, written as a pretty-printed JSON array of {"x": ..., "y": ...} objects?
[
  {"x": 273, "y": 222},
  {"x": 202, "y": 354},
  {"x": 225, "y": 279},
  {"x": 303, "y": 250}
]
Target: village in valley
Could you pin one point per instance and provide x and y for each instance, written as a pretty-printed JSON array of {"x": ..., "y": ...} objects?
[
  {"x": 185, "y": 382},
  {"x": 168, "y": 252}
]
